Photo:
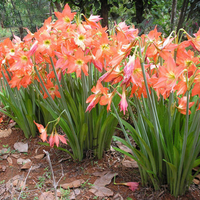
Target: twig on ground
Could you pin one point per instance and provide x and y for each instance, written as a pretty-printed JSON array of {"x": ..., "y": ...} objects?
[
  {"x": 22, "y": 189},
  {"x": 55, "y": 184}
]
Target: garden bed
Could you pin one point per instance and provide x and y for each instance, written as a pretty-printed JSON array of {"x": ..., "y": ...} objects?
[{"x": 39, "y": 180}]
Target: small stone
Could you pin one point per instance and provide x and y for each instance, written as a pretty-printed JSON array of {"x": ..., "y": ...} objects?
[
  {"x": 5, "y": 133},
  {"x": 21, "y": 147}
]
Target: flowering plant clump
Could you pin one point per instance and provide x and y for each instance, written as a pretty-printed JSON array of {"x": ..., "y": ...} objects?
[
  {"x": 160, "y": 78},
  {"x": 69, "y": 66},
  {"x": 61, "y": 62}
]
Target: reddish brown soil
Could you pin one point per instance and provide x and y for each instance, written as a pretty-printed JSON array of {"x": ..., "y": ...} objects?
[{"x": 72, "y": 171}]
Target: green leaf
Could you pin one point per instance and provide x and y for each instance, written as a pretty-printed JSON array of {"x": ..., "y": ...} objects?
[{"x": 196, "y": 163}]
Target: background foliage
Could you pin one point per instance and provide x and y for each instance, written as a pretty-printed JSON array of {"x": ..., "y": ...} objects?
[{"x": 144, "y": 14}]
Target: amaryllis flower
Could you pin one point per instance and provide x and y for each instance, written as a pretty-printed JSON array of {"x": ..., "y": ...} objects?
[
  {"x": 56, "y": 138},
  {"x": 52, "y": 89},
  {"x": 123, "y": 103},
  {"x": 92, "y": 20},
  {"x": 183, "y": 104},
  {"x": 64, "y": 18},
  {"x": 132, "y": 185},
  {"x": 42, "y": 130},
  {"x": 168, "y": 75},
  {"x": 98, "y": 91}
]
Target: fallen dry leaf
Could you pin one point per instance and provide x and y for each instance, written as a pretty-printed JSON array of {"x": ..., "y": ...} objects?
[
  {"x": 123, "y": 147},
  {"x": 46, "y": 196},
  {"x": 27, "y": 165},
  {"x": 118, "y": 197},
  {"x": 77, "y": 191},
  {"x": 98, "y": 188},
  {"x": 196, "y": 181},
  {"x": 130, "y": 164},
  {"x": 34, "y": 167},
  {"x": 73, "y": 184},
  {"x": 10, "y": 161},
  {"x": 21, "y": 147},
  {"x": 4, "y": 151},
  {"x": 197, "y": 176},
  {"x": 5, "y": 133},
  {"x": 101, "y": 191},
  {"x": 2, "y": 168},
  {"x": 49, "y": 183},
  {"x": 17, "y": 181},
  {"x": 105, "y": 179},
  {"x": 98, "y": 173},
  {"x": 22, "y": 161},
  {"x": 39, "y": 156},
  {"x": 4, "y": 157},
  {"x": 72, "y": 195},
  {"x": 2, "y": 190},
  {"x": 15, "y": 155},
  {"x": 11, "y": 124}
]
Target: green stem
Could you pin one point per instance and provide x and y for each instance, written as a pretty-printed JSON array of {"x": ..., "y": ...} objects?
[{"x": 176, "y": 192}]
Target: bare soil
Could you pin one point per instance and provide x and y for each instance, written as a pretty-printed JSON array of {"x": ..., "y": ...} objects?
[{"x": 39, "y": 179}]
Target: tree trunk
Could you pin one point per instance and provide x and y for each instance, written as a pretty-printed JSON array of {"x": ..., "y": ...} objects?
[
  {"x": 173, "y": 14},
  {"x": 182, "y": 15},
  {"x": 58, "y": 6},
  {"x": 139, "y": 11},
  {"x": 104, "y": 13},
  {"x": 192, "y": 9}
]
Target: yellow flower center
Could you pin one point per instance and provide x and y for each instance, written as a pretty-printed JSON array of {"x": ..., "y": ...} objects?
[
  {"x": 136, "y": 70},
  {"x": 24, "y": 58},
  {"x": 66, "y": 19},
  {"x": 104, "y": 46},
  {"x": 79, "y": 62},
  {"x": 81, "y": 37},
  {"x": 188, "y": 63},
  {"x": 171, "y": 75},
  {"x": 47, "y": 42}
]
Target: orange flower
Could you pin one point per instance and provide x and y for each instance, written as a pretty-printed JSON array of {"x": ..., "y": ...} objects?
[
  {"x": 20, "y": 78},
  {"x": 107, "y": 99},
  {"x": 98, "y": 91},
  {"x": 182, "y": 105},
  {"x": 52, "y": 89},
  {"x": 64, "y": 18},
  {"x": 195, "y": 42},
  {"x": 77, "y": 62},
  {"x": 123, "y": 103},
  {"x": 56, "y": 138},
  {"x": 132, "y": 185},
  {"x": 43, "y": 131},
  {"x": 113, "y": 76},
  {"x": 92, "y": 20},
  {"x": 168, "y": 75}
]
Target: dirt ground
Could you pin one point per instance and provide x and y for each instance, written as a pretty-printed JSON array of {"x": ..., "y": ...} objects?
[{"x": 33, "y": 180}]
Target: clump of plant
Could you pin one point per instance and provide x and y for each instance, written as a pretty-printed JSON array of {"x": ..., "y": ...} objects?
[
  {"x": 59, "y": 64},
  {"x": 160, "y": 77}
]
